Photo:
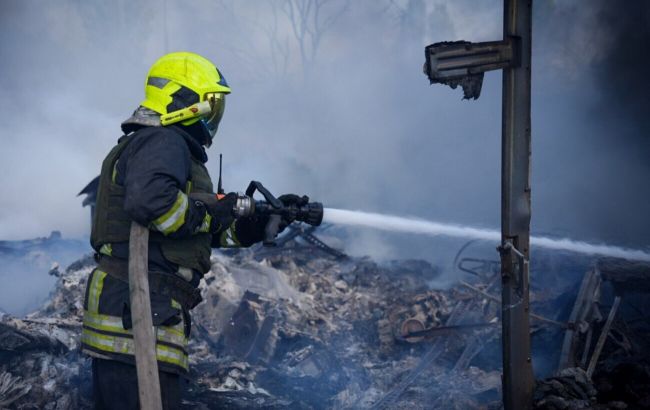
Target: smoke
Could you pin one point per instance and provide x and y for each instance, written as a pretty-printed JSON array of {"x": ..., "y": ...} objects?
[
  {"x": 622, "y": 71},
  {"x": 351, "y": 122},
  {"x": 591, "y": 143},
  {"x": 24, "y": 268}
]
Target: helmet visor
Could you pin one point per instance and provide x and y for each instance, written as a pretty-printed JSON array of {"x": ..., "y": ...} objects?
[{"x": 217, "y": 106}]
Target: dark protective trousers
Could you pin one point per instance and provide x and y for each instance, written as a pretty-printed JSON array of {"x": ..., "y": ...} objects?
[{"x": 115, "y": 386}]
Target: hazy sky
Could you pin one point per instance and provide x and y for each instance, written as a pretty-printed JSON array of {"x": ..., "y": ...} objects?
[{"x": 355, "y": 124}]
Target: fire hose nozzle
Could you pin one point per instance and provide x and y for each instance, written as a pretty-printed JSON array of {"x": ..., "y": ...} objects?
[{"x": 310, "y": 213}]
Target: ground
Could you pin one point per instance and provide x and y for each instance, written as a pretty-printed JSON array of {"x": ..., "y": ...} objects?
[{"x": 300, "y": 327}]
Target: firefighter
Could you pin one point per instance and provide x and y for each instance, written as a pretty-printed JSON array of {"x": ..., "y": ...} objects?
[{"x": 149, "y": 177}]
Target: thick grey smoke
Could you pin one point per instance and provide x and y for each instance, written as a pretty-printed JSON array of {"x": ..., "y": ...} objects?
[
  {"x": 623, "y": 71},
  {"x": 351, "y": 121},
  {"x": 592, "y": 122}
]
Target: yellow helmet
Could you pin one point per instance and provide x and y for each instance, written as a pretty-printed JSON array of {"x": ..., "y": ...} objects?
[{"x": 179, "y": 80}]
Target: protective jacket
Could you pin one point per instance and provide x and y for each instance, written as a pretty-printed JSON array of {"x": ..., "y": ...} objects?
[{"x": 149, "y": 177}]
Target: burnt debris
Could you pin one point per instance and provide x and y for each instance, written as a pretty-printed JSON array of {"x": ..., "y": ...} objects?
[{"x": 303, "y": 327}]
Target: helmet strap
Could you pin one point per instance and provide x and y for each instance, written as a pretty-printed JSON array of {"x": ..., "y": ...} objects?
[
  {"x": 206, "y": 133},
  {"x": 198, "y": 131}
]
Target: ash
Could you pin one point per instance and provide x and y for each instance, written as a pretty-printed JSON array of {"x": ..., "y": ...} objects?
[{"x": 304, "y": 326}]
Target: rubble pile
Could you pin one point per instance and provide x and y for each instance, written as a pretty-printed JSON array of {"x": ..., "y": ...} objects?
[
  {"x": 571, "y": 388},
  {"x": 604, "y": 361},
  {"x": 622, "y": 373},
  {"x": 322, "y": 331},
  {"x": 40, "y": 363},
  {"x": 304, "y": 327}
]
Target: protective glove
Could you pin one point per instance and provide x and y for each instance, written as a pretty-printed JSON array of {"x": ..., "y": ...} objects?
[
  {"x": 250, "y": 229},
  {"x": 221, "y": 210}
]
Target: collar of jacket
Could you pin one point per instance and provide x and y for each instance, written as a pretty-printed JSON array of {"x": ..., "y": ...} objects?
[
  {"x": 197, "y": 150},
  {"x": 141, "y": 117},
  {"x": 144, "y": 117}
]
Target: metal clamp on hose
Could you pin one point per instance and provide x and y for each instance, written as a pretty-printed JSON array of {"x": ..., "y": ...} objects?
[{"x": 244, "y": 206}]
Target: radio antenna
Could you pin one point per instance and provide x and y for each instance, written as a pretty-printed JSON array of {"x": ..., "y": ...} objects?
[{"x": 220, "y": 190}]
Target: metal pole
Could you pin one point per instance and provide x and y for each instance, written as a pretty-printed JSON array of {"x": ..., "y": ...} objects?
[
  {"x": 518, "y": 380},
  {"x": 144, "y": 338}
]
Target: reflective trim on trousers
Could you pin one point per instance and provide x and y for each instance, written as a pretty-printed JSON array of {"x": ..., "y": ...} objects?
[
  {"x": 125, "y": 345},
  {"x": 168, "y": 334},
  {"x": 96, "y": 287}
]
